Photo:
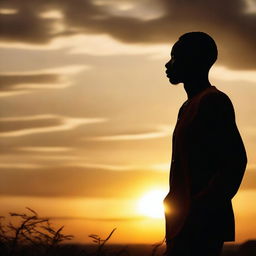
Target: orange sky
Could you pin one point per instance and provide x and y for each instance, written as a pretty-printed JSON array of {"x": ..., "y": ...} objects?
[{"x": 87, "y": 113}]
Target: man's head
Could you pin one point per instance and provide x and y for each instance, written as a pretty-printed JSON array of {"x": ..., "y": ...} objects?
[{"x": 192, "y": 55}]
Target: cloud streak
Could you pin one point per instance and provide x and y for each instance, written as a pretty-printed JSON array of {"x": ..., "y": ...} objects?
[
  {"x": 223, "y": 73},
  {"x": 42, "y": 124},
  {"x": 163, "y": 131},
  {"x": 9, "y": 81},
  {"x": 46, "y": 149},
  {"x": 13, "y": 83}
]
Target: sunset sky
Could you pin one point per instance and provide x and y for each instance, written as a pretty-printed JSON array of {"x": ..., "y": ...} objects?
[{"x": 87, "y": 113}]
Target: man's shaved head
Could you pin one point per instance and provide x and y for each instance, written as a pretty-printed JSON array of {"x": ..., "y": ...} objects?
[{"x": 198, "y": 46}]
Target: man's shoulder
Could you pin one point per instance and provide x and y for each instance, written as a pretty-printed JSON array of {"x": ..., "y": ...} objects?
[
  {"x": 214, "y": 96},
  {"x": 216, "y": 103}
]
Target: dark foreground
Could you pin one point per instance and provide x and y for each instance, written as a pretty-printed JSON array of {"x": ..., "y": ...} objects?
[
  {"x": 246, "y": 249},
  {"x": 31, "y": 235}
]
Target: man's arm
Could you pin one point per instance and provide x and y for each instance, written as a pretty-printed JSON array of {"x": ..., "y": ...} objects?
[{"x": 224, "y": 143}]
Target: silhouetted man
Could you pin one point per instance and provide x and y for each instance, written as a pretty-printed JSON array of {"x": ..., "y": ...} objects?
[{"x": 208, "y": 155}]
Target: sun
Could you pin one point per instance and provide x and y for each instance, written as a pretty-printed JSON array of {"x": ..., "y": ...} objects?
[{"x": 151, "y": 204}]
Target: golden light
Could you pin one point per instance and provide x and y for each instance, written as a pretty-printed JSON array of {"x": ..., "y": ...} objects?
[{"x": 151, "y": 204}]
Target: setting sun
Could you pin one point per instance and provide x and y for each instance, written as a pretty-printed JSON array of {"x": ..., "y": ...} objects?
[{"x": 151, "y": 204}]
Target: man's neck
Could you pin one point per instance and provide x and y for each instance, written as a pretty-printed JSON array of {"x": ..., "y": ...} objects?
[{"x": 195, "y": 86}]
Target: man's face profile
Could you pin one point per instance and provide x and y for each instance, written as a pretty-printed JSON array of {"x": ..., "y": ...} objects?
[
  {"x": 176, "y": 67},
  {"x": 191, "y": 57}
]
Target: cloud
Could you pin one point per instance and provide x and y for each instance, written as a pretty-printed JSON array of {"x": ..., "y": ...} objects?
[
  {"x": 106, "y": 46},
  {"x": 9, "y": 81},
  {"x": 27, "y": 125},
  {"x": 164, "y": 131},
  {"x": 71, "y": 181},
  {"x": 71, "y": 69},
  {"x": 142, "y": 10},
  {"x": 250, "y": 6},
  {"x": 223, "y": 73},
  {"x": 160, "y": 21},
  {"x": 155, "y": 167},
  {"x": 24, "y": 24},
  {"x": 13, "y": 83},
  {"x": 105, "y": 166},
  {"x": 8, "y": 11},
  {"x": 13, "y": 93},
  {"x": 51, "y": 14},
  {"x": 45, "y": 149},
  {"x": 19, "y": 166}
]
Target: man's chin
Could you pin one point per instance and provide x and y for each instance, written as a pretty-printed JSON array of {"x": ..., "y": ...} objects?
[{"x": 174, "y": 81}]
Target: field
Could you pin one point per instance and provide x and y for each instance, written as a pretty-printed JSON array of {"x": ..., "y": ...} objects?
[{"x": 31, "y": 235}]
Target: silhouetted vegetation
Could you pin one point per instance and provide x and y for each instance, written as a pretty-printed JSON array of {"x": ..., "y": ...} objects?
[
  {"x": 30, "y": 235},
  {"x": 27, "y": 234}
]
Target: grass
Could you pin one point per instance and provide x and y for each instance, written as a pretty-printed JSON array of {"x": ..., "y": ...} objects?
[
  {"x": 28, "y": 234},
  {"x": 33, "y": 235}
]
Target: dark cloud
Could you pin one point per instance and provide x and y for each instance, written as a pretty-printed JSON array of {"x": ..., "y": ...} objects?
[
  {"x": 24, "y": 25},
  {"x": 227, "y": 21},
  {"x": 16, "y": 125},
  {"x": 8, "y": 82}
]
